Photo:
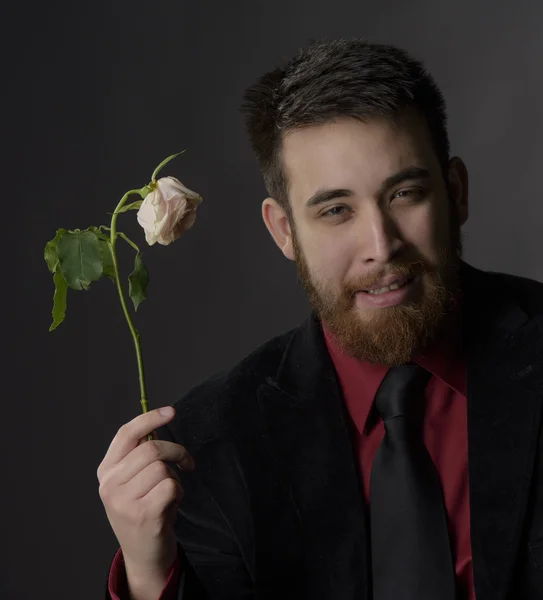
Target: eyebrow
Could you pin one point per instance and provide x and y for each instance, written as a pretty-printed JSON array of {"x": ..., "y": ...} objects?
[{"x": 408, "y": 174}]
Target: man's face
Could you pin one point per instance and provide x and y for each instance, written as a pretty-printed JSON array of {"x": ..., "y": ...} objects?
[{"x": 390, "y": 215}]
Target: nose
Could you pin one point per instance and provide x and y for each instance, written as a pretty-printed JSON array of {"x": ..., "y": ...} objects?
[{"x": 378, "y": 236}]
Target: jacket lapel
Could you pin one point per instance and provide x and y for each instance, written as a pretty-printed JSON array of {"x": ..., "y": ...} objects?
[
  {"x": 504, "y": 353},
  {"x": 311, "y": 439}
]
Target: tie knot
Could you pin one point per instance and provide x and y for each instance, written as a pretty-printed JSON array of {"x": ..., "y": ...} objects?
[{"x": 401, "y": 390}]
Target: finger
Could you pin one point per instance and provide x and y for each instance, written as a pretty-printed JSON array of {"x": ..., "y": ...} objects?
[
  {"x": 142, "y": 456},
  {"x": 146, "y": 480},
  {"x": 164, "y": 496},
  {"x": 145, "y": 438},
  {"x": 129, "y": 435}
]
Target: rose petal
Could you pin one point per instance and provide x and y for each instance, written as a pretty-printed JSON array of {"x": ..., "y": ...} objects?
[
  {"x": 150, "y": 238},
  {"x": 184, "y": 224},
  {"x": 146, "y": 213},
  {"x": 170, "y": 186},
  {"x": 167, "y": 211}
]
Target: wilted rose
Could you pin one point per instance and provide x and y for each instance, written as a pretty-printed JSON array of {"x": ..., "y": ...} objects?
[{"x": 168, "y": 211}]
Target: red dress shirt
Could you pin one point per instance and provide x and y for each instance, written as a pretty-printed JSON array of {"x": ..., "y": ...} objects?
[
  {"x": 444, "y": 433},
  {"x": 444, "y": 427},
  {"x": 118, "y": 586}
]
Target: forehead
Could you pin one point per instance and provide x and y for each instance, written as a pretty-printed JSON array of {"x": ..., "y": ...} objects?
[{"x": 354, "y": 154}]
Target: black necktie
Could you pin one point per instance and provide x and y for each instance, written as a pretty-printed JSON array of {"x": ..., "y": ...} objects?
[{"x": 411, "y": 555}]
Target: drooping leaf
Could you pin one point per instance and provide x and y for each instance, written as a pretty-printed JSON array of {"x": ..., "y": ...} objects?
[
  {"x": 137, "y": 282},
  {"x": 107, "y": 260},
  {"x": 99, "y": 233},
  {"x": 131, "y": 206},
  {"x": 80, "y": 258},
  {"x": 105, "y": 251},
  {"x": 59, "y": 300},
  {"x": 163, "y": 164},
  {"x": 51, "y": 253}
]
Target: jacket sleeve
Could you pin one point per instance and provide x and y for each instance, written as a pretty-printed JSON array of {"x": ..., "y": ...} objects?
[
  {"x": 208, "y": 567},
  {"x": 211, "y": 566}
]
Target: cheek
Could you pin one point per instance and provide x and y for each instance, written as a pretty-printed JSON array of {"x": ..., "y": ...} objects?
[
  {"x": 328, "y": 258},
  {"x": 427, "y": 231}
]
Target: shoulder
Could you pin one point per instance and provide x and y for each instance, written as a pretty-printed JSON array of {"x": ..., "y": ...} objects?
[{"x": 528, "y": 293}]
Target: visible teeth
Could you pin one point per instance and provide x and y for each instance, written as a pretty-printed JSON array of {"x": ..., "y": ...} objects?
[{"x": 388, "y": 288}]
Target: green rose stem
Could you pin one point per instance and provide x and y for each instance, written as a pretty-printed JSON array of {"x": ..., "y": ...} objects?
[{"x": 133, "y": 330}]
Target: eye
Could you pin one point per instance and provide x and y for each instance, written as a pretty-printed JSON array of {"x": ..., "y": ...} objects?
[
  {"x": 334, "y": 211},
  {"x": 411, "y": 193}
]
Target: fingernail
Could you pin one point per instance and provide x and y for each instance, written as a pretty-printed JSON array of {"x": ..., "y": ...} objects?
[
  {"x": 187, "y": 463},
  {"x": 166, "y": 411}
]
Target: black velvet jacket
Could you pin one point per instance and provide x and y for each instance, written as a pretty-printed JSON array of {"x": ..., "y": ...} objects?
[{"x": 275, "y": 510}]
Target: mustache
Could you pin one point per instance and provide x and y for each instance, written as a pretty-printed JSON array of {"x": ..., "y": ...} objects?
[{"x": 370, "y": 281}]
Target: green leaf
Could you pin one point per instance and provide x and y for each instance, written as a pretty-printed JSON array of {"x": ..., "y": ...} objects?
[
  {"x": 99, "y": 233},
  {"x": 138, "y": 281},
  {"x": 132, "y": 206},
  {"x": 80, "y": 258},
  {"x": 50, "y": 254},
  {"x": 164, "y": 163},
  {"x": 105, "y": 251},
  {"x": 59, "y": 300},
  {"x": 107, "y": 260}
]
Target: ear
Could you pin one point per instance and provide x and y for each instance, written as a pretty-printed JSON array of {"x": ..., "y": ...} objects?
[
  {"x": 278, "y": 225},
  {"x": 458, "y": 185}
]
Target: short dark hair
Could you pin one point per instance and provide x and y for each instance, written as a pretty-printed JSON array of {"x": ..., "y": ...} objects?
[{"x": 333, "y": 79}]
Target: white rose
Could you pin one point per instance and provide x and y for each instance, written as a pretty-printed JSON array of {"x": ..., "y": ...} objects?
[{"x": 168, "y": 211}]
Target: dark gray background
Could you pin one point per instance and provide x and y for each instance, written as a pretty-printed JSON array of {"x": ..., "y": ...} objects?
[{"x": 97, "y": 94}]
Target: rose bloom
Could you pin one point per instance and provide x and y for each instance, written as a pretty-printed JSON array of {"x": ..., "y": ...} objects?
[{"x": 168, "y": 211}]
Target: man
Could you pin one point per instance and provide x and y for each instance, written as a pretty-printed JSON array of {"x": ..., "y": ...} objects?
[{"x": 390, "y": 447}]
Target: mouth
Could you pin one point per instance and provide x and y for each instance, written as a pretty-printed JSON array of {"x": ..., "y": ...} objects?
[
  {"x": 401, "y": 282},
  {"x": 401, "y": 291}
]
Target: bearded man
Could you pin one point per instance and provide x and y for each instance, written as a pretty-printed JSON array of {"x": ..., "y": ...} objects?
[{"x": 388, "y": 448}]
